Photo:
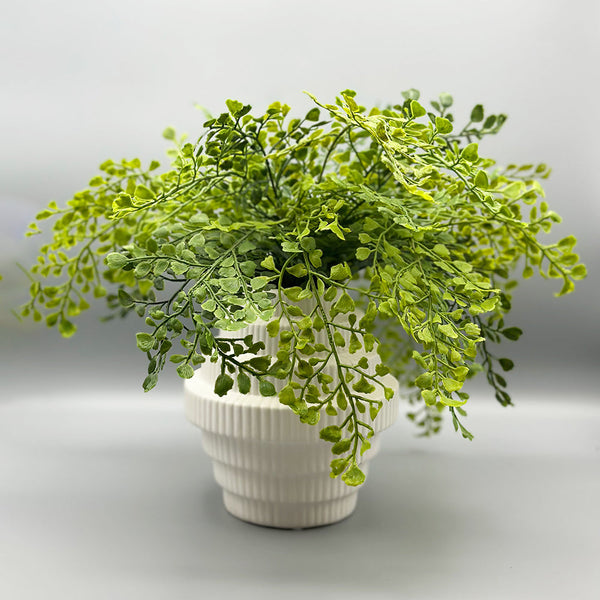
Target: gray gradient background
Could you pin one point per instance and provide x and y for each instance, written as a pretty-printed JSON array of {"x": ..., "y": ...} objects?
[{"x": 84, "y": 81}]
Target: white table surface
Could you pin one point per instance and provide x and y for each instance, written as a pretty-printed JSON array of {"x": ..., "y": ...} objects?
[{"x": 109, "y": 496}]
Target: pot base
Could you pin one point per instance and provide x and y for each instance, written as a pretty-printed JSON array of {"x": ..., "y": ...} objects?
[{"x": 290, "y": 515}]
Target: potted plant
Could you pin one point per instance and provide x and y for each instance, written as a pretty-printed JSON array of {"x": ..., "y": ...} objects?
[{"x": 306, "y": 266}]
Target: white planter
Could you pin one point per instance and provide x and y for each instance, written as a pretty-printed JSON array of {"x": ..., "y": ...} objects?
[{"x": 274, "y": 470}]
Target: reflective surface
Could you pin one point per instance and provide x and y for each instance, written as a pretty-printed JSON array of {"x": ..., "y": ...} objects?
[{"x": 111, "y": 496}]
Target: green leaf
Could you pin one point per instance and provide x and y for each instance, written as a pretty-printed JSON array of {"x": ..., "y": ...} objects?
[
  {"x": 52, "y": 319},
  {"x": 567, "y": 288},
  {"x": 333, "y": 433},
  {"x": 366, "y": 445},
  {"x": 266, "y": 388},
  {"x": 287, "y": 396},
  {"x": 260, "y": 363},
  {"x": 451, "y": 385},
  {"x": 223, "y": 384},
  {"x": 481, "y": 180},
  {"x": 338, "y": 339},
  {"x": 145, "y": 342},
  {"x": 66, "y": 328},
  {"x": 446, "y": 100},
  {"x": 424, "y": 380},
  {"x": 125, "y": 299},
  {"x": 512, "y": 333},
  {"x": 144, "y": 193},
  {"x": 567, "y": 243},
  {"x": 338, "y": 466},
  {"x": 443, "y": 125},
  {"x": 315, "y": 258},
  {"x": 97, "y": 181},
  {"x": 186, "y": 371},
  {"x": 150, "y": 382},
  {"x": 441, "y": 250},
  {"x": 298, "y": 270},
  {"x": 340, "y": 272},
  {"x": 313, "y": 114},
  {"x": 169, "y": 134},
  {"x": 463, "y": 266},
  {"x": 230, "y": 284},
  {"x": 243, "y": 382},
  {"x": 344, "y": 304},
  {"x": 116, "y": 261},
  {"x": 579, "y": 272},
  {"x": 416, "y": 109},
  {"x": 451, "y": 401},
  {"x": 429, "y": 396},
  {"x": 514, "y": 190},
  {"x": 290, "y": 247},
  {"x": 341, "y": 446},
  {"x": 363, "y": 386},
  {"x": 234, "y": 106},
  {"x": 448, "y": 330},
  {"x": 99, "y": 291},
  {"x": 527, "y": 272},
  {"x": 355, "y": 344},
  {"x": 258, "y": 283},
  {"x": 353, "y": 476},
  {"x": 269, "y": 263},
  {"x": 477, "y": 113},
  {"x": 470, "y": 152},
  {"x": 330, "y": 410},
  {"x": 506, "y": 364},
  {"x": 472, "y": 329},
  {"x": 411, "y": 94},
  {"x": 142, "y": 269},
  {"x": 363, "y": 253},
  {"x": 273, "y": 328}
]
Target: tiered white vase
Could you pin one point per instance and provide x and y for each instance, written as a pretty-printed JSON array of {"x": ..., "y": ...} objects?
[{"x": 274, "y": 470}]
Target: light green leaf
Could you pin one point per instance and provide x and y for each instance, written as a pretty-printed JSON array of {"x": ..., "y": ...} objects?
[
  {"x": 186, "y": 371},
  {"x": 353, "y": 476},
  {"x": 451, "y": 385},
  {"x": 363, "y": 253},
  {"x": 169, "y": 134},
  {"x": 333, "y": 433},
  {"x": 344, "y": 304},
  {"x": 144, "y": 193},
  {"x": 481, "y": 180},
  {"x": 416, "y": 109},
  {"x": 145, "y": 342},
  {"x": 66, "y": 328},
  {"x": 443, "y": 125},
  {"x": 340, "y": 272},
  {"x": 116, "y": 261},
  {"x": 268, "y": 263},
  {"x": 470, "y": 152}
]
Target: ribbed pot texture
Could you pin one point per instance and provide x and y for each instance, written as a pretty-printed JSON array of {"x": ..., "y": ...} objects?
[{"x": 274, "y": 470}]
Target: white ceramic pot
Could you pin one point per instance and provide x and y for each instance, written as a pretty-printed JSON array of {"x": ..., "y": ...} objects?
[{"x": 274, "y": 470}]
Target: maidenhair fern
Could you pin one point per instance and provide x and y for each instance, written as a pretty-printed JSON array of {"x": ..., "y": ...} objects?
[{"x": 387, "y": 217}]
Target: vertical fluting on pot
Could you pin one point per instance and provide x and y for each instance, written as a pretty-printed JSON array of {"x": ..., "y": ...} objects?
[{"x": 274, "y": 470}]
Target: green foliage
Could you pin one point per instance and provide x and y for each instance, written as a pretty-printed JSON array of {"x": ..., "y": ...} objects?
[{"x": 371, "y": 241}]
